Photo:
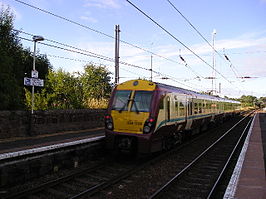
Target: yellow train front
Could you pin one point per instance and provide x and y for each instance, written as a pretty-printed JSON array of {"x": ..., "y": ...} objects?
[
  {"x": 146, "y": 117},
  {"x": 130, "y": 120}
]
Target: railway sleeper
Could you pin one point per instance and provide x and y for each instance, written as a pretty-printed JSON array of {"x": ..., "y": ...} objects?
[
  {"x": 96, "y": 177},
  {"x": 70, "y": 188},
  {"x": 198, "y": 174},
  {"x": 188, "y": 190},
  {"x": 55, "y": 192},
  {"x": 34, "y": 197},
  {"x": 86, "y": 181},
  {"x": 196, "y": 185},
  {"x": 106, "y": 174},
  {"x": 209, "y": 171},
  {"x": 210, "y": 167},
  {"x": 202, "y": 180}
]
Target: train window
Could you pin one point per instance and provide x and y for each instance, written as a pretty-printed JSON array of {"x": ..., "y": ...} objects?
[
  {"x": 176, "y": 107},
  {"x": 203, "y": 106},
  {"x": 226, "y": 106},
  {"x": 168, "y": 108},
  {"x": 214, "y": 107},
  {"x": 221, "y": 107},
  {"x": 142, "y": 101},
  {"x": 181, "y": 109},
  {"x": 121, "y": 100},
  {"x": 161, "y": 103},
  {"x": 189, "y": 108},
  {"x": 200, "y": 107},
  {"x": 208, "y": 107},
  {"x": 195, "y": 108}
]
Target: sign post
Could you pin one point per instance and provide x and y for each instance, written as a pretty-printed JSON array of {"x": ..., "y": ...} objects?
[{"x": 33, "y": 81}]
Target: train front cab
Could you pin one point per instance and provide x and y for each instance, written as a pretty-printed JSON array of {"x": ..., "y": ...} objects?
[{"x": 129, "y": 121}]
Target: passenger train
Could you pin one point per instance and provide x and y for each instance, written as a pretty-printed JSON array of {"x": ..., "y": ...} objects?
[{"x": 146, "y": 117}]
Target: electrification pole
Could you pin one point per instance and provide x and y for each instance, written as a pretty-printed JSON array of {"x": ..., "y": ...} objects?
[
  {"x": 213, "y": 62},
  {"x": 117, "y": 39}
]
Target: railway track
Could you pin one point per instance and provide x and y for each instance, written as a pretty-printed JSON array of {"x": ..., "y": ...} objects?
[
  {"x": 113, "y": 179},
  {"x": 201, "y": 177},
  {"x": 84, "y": 181}
]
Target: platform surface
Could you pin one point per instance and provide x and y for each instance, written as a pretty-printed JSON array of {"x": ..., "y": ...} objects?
[
  {"x": 250, "y": 181},
  {"x": 19, "y": 144}
]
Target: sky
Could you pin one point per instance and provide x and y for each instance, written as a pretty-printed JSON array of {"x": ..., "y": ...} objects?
[{"x": 190, "y": 29}]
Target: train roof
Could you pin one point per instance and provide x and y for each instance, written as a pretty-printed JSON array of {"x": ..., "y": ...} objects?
[
  {"x": 194, "y": 93},
  {"x": 145, "y": 84}
]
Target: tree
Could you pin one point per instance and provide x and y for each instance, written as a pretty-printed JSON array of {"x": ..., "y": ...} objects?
[
  {"x": 96, "y": 82},
  {"x": 262, "y": 102},
  {"x": 62, "y": 91},
  {"x": 9, "y": 46},
  {"x": 248, "y": 100},
  {"x": 14, "y": 63}
]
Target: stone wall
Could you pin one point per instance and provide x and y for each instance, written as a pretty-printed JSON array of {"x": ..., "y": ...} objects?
[
  {"x": 23, "y": 123},
  {"x": 14, "y": 124}
]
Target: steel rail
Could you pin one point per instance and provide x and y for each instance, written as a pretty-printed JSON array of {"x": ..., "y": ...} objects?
[
  {"x": 97, "y": 188},
  {"x": 228, "y": 160},
  {"x": 102, "y": 185},
  {"x": 91, "y": 190},
  {"x": 57, "y": 181},
  {"x": 195, "y": 160}
]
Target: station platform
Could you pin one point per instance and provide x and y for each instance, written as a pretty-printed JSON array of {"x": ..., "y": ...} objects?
[
  {"x": 248, "y": 180},
  {"x": 26, "y": 145}
]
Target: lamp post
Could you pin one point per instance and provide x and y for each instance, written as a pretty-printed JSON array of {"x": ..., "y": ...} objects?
[{"x": 35, "y": 40}]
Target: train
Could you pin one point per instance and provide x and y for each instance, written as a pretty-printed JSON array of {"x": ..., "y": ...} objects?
[{"x": 146, "y": 117}]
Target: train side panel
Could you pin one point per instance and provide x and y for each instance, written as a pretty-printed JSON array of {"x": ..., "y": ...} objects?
[{"x": 149, "y": 117}]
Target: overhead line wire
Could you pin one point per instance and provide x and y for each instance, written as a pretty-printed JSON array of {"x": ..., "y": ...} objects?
[
  {"x": 67, "y": 45},
  {"x": 110, "y": 60},
  {"x": 156, "y": 23},
  {"x": 99, "y": 32},
  {"x": 63, "y": 18},
  {"x": 94, "y": 30},
  {"x": 197, "y": 31},
  {"x": 87, "y": 61},
  {"x": 191, "y": 25},
  {"x": 231, "y": 65},
  {"x": 84, "y": 26}
]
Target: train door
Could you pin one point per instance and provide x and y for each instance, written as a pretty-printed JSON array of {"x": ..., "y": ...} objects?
[
  {"x": 120, "y": 109},
  {"x": 167, "y": 109},
  {"x": 164, "y": 111},
  {"x": 189, "y": 112}
]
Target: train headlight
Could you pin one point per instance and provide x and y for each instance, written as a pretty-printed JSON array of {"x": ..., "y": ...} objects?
[
  {"x": 109, "y": 122},
  {"x": 149, "y": 125},
  {"x": 109, "y": 126},
  {"x": 146, "y": 129}
]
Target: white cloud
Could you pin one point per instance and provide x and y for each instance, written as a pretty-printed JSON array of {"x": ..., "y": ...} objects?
[
  {"x": 246, "y": 65},
  {"x": 89, "y": 19},
  {"x": 249, "y": 40},
  {"x": 102, "y": 3}
]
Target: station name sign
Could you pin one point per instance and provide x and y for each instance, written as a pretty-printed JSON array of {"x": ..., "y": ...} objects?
[{"x": 34, "y": 80}]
